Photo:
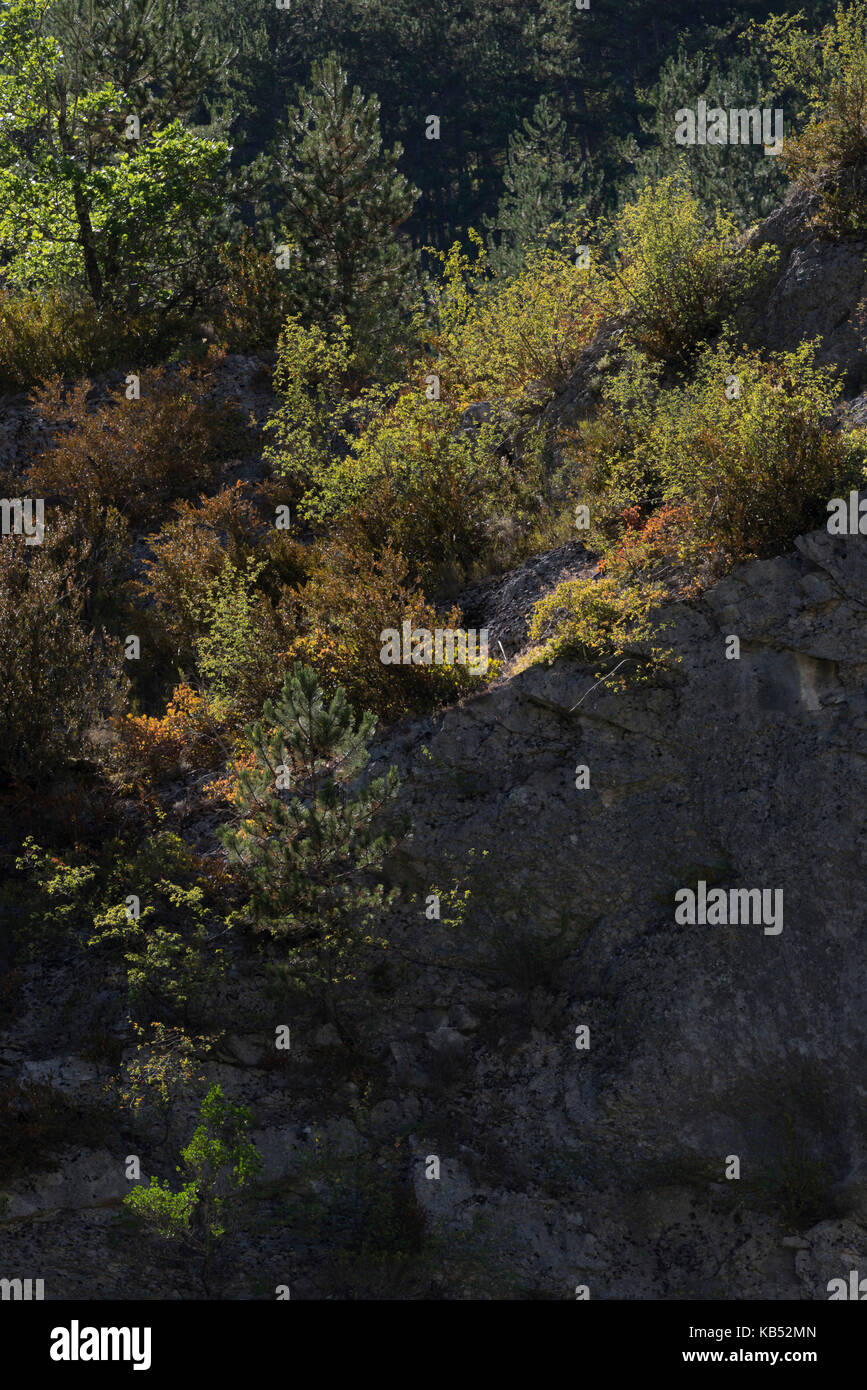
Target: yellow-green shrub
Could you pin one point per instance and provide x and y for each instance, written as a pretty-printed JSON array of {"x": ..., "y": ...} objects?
[
  {"x": 190, "y": 551},
  {"x": 418, "y": 481},
  {"x": 683, "y": 480},
  {"x": 515, "y": 343},
  {"x": 605, "y": 621},
  {"x": 829, "y": 155},
  {"x": 677, "y": 271},
  {"x": 749, "y": 442},
  {"x": 310, "y": 378}
]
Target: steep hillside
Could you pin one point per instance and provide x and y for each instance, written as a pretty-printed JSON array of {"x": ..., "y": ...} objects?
[{"x": 434, "y": 688}]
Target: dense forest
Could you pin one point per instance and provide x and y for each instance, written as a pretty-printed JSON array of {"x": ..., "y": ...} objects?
[{"x": 317, "y": 323}]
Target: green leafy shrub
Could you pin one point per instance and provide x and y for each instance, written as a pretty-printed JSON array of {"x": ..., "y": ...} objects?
[
  {"x": 55, "y": 901},
  {"x": 166, "y": 1065},
  {"x": 46, "y": 900},
  {"x": 236, "y": 653},
  {"x": 313, "y": 365},
  {"x": 684, "y": 480},
  {"x": 219, "y": 1165},
  {"x": 209, "y": 548},
  {"x": 400, "y": 463},
  {"x": 172, "y": 966},
  {"x": 414, "y": 480}
]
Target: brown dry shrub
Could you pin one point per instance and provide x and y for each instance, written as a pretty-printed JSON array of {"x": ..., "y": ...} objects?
[
  {"x": 49, "y": 332},
  {"x": 134, "y": 455},
  {"x": 190, "y": 551},
  {"x": 254, "y": 301},
  {"x": 60, "y": 680}
]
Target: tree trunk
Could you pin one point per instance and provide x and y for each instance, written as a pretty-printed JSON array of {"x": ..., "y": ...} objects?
[{"x": 86, "y": 237}]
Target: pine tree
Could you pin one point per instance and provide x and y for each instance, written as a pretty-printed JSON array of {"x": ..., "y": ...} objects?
[
  {"x": 344, "y": 199},
  {"x": 541, "y": 180},
  {"x": 739, "y": 177},
  {"x": 308, "y": 856}
]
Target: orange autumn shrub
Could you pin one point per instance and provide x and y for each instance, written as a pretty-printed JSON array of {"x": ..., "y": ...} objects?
[
  {"x": 648, "y": 540},
  {"x": 194, "y": 733},
  {"x": 222, "y": 791}
]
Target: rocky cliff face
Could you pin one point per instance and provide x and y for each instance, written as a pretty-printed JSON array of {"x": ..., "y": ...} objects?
[
  {"x": 817, "y": 292},
  {"x": 706, "y": 1041}
]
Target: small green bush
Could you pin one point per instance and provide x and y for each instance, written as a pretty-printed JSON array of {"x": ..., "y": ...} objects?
[
  {"x": 514, "y": 344},
  {"x": 219, "y": 1165},
  {"x": 46, "y": 900}
]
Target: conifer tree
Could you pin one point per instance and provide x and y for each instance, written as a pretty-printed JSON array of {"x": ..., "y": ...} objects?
[
  {"x": 541, "y": 180},
  {"x": 344, "y": 199},
  {"x": 740, "y": 177},
  {"x": 309, "y": 836}
]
